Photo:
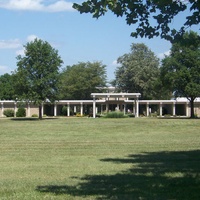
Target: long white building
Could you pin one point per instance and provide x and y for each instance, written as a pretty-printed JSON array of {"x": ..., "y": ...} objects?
[{"x": 105, "y": 102}]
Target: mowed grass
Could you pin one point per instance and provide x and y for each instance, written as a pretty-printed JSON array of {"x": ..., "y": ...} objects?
[{"x": 85, "y": 158}]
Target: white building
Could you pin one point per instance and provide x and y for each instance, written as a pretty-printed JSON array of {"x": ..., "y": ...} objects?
[{"x": 105, "y": 102}]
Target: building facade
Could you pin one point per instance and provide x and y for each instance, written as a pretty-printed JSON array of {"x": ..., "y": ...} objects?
[{"x": 105, "y": 102}]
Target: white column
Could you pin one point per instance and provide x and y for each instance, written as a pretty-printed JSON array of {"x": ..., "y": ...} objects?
[
  {"x": 68, "y": 110},
  {"x": 15, "y": 109},
  {"x": 147, "y": 109},
  {"x": 81, "y": 109},
  {"x": 55, "y": 109},
  {"x": 2, "y": 109},
  {"x": 42, "y": 109},
  {"x": 174, "y": 108},
  {"x": 124, "y": 109},
  {"x": 160, "y": 108},
  {"x": 101, "y": 108},
  {"x": 134, "y": 111},
  {"x": 94, "y": 107},
  {"x": 136, "y": 108},
  {"x": 74, "y": 109},
  {"x": 187, "y": 109},
  {"x": 28, "y": 110},
  {"x": 120, "y": 107},
  {"x": 107, "y": 107}
]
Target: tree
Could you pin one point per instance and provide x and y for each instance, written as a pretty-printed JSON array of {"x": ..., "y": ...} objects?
[
  {"x": 180, "y": 71},
  {"x": 6, "y": 84},
  {"x": 152, "y": 17},
  {"x": 138, "y": 71},
  {"x": 80, "y": 80},
  {"x": 38, "y": 73}
]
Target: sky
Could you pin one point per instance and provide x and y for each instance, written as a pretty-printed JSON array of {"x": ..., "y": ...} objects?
[{"x": 77, "y": 37}]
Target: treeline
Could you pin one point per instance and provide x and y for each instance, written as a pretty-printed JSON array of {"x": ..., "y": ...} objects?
[{"x": 39, "y": 77}]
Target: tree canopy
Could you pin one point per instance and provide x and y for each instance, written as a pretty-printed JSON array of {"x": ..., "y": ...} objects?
[
  {"x": 151, "y": 17},
  {"x": 6, "y": 84},
  {"x": 180, "y": 70},
  {"x": 38, "y": 73},
  {"x": 80, "y": 80},
  {"x": 138, "y": 71}
]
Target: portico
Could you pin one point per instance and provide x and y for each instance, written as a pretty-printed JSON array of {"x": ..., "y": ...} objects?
[
  {"x": 117, "y": 98},
  {"x": 105, "y": 102}
]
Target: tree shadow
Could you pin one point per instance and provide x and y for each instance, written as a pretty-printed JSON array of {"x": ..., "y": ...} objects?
[{"x": 155, "y": 175}]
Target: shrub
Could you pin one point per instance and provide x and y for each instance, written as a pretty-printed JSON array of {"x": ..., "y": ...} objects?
[
  {"x": 64, "y": 110},
  {"x": 8, "y": 112},
  {"x": 131, "y": 115},
  {"x": 154, "y": 114},
  {"x": 21, "y": 112},
  {"x": 34, "y": 115},
  {"x": 79, "y": 115},
  {"x": 115, "y": 115}
]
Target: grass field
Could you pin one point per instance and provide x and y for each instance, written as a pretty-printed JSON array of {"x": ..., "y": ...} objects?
[{"x": 86, "y": 158}]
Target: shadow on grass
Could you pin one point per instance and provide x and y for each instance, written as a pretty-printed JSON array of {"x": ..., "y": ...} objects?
[{"x": 157, "y": 175}]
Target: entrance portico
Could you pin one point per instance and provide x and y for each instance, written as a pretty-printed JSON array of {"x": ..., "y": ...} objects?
[{"x": 117, "y": 98}]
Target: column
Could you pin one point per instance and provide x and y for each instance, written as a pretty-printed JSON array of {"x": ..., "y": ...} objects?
[
  {"x": 68, "y": 110},
  {"x": 15, "y": 109},
  {"x": 136, "y": 108},
  {"x": 160, "y": 108},
  {"x": 134, "y": 111},
  {"x": 42, "y": 109},
  {"x": 101, "y": 109},
  {"x": 81, "y": 109},
  {"x": 107, "y": 107},
  {"x": 96, "y": 110},
  {"x": 147, "y": 109},
  {"x": 28, "y": 110},
  {"x": 124, "y": 109},
  {"x": 174, "y": 108},
  {"x": 55, "y": 109},
  {"x": 187, "y": 109},
  {"x": 120, "y": 107},
  {"x": 74, "y": 109},
  {"x": 94, "y": 107},
  {"x": 2, "y": 109}
]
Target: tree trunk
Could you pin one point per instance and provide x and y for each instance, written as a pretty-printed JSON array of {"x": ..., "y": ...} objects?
[
  {"x": 192, "y": 108},
  {"x": 40, "y": 111}
]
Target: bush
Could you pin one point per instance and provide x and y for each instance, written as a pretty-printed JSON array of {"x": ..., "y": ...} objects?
[
  {"x": 21, "y": 112},
  {"x": 8, "y": 113},
  {"x": 34, "y": 115},
  {"x": 79, "y": 115},
  {"x": 115, "y": 115},
  {"x": 64, "y": 110},
  {"x": 131, "y": 115}
]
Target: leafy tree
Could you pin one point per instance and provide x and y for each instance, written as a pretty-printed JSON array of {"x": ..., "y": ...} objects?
[
  {"x": 7, "y": 90},
  {"x": 180, "y": 71},
  {"x": 138, "y": 71},
  {"x": 38, "y": 73},
  {"x": 80, "y": 80},
  {"x": 152, "y": 17}
]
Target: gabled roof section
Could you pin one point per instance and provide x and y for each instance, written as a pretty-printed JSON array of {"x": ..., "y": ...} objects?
[{"x": 116, "y": 95}]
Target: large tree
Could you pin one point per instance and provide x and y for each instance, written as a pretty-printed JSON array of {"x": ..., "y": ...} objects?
[
  {"x": 80, "y": 80},
  {"x": 138, "y": 71},
  {"x": 151, "y": 17},
  {"x": 6, "y": 87},
  {"x": 180, "y": 71},
  {"x": 38, "y": 73}
]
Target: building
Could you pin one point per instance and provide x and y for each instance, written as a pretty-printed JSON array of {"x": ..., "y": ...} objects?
[{"x": 105, "y": 102}]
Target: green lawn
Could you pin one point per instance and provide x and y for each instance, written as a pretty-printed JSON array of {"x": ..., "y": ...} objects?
[{"x": 86, "y": 158}]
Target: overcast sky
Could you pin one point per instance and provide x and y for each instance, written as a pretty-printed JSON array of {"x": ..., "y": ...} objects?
[{"x": 77, "y": 37}]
